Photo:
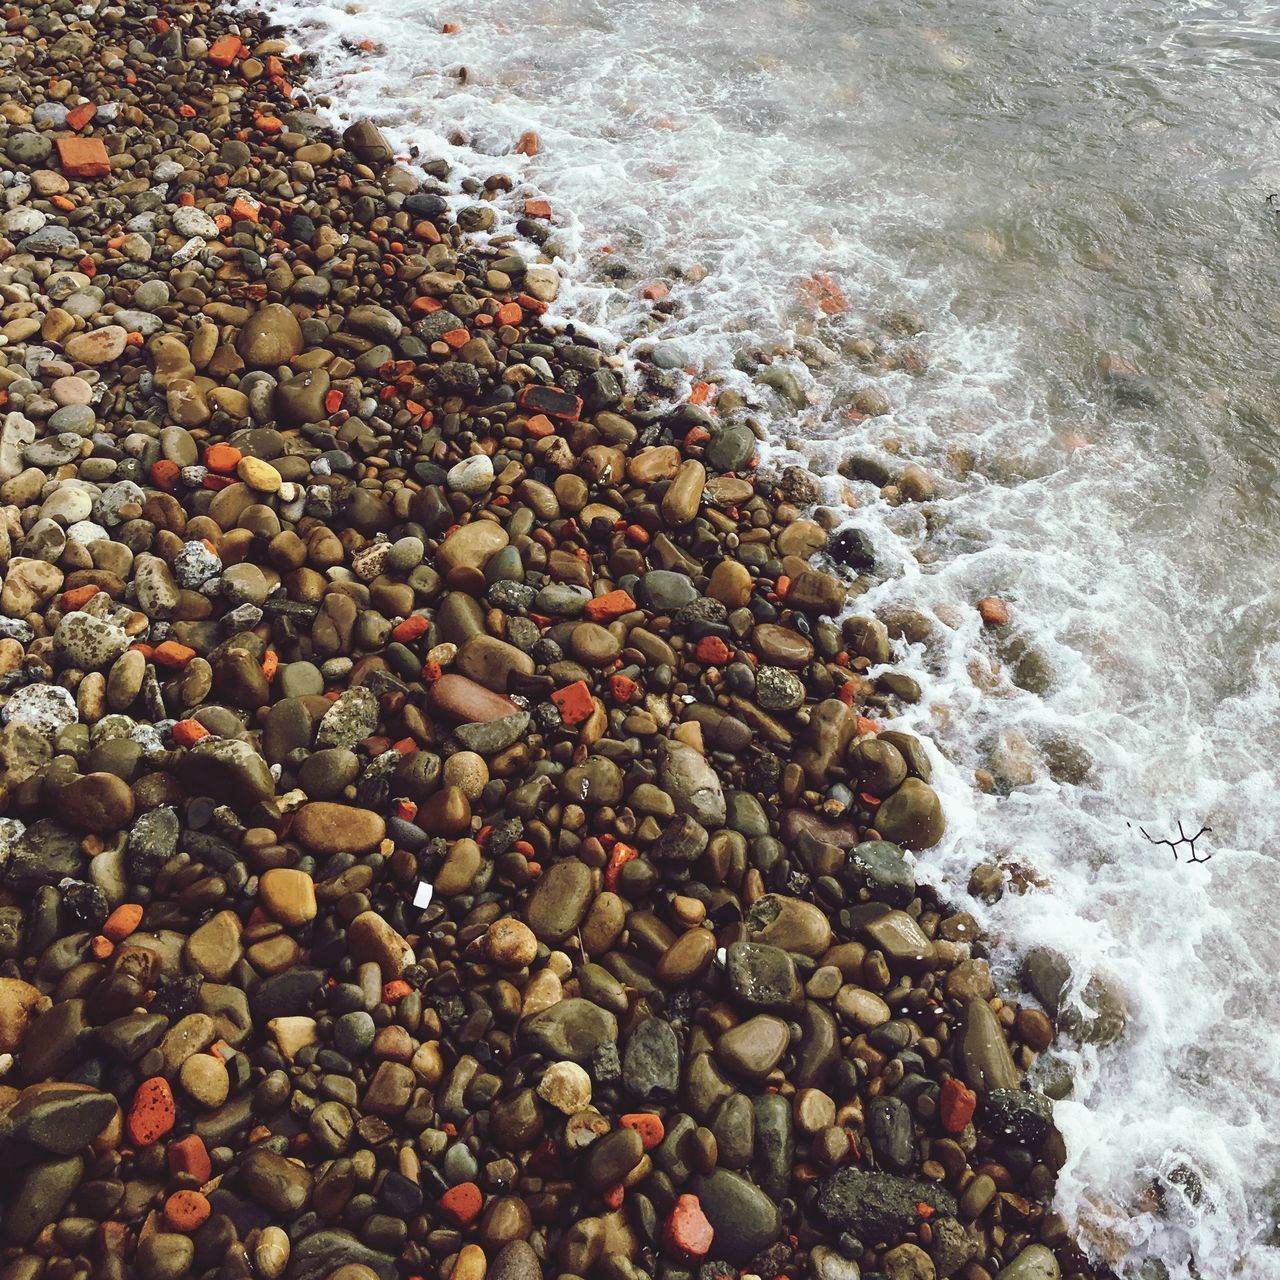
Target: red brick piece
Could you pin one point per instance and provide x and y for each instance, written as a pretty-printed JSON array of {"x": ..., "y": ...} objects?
[
  {"x": 613, "y": 604},
  {"x": 462, "y": 1203},
  {"x": 153, "y": 1112},
  {"x": 688, "y": 1234},
  {"x": 80, "y": 116},
  {"x": 551, "y": 401},
  {"x": 575, "y": 702},
  {"x": 83, "y": 157},
  {"x": 189, "y": 1155},
  {"x": 956, "y": 1105}
]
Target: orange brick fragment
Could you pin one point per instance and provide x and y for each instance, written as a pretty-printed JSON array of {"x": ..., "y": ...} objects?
[
  {"x": 83, "y": 157},
  {"x": 456, "y": 337},
  {"x": 462, "y": 1203},
  {"x": 528, "y": 143},
  {"x": 77, "y": 598},
  {"x": 186, "y": 1211},
  {"x": 101, "y": 947},
  {"x": 222, "y": 457},
  {"x": 395, "y": 991},
  {"x": 153, "y": 1112},
  {"x": 189, "y": 1155},
  {"x": 713, "y": 650},
  {"x": 537, "y": 209},
  {"x": 173, "y": 654},
  {"x": 540, "y": 426},
  {"x": 647, "y": 1124},
  {"x": 122, "y": 921},
  {"x": 80, "y": 116},
  {"x": 245, "y": 210},
  {"x": 574, "y": 701},
  {"x": 186, "y": 733},
  {"x": 225, "y": 50},
  {"x": 623, "y": 690},
  {"x": 510, "y": 313},
  {"x": 613, "y": 604},
  {"x": 164, "y": 474},
  {"x": 410, "y": 629}
]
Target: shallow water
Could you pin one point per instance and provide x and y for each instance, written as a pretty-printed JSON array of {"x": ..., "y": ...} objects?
[{"x": 1038, "y": 185}]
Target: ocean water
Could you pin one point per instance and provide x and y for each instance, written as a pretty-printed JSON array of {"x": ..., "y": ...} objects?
[{"x": 1032, "y": 187}]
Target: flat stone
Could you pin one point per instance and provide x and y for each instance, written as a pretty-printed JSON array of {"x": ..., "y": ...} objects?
[
  {"x": 878, "y": 1207},
  {"x": 328, "y": 828},
  {"x": 573, "y": 1029},
  {"x": 753, "y": 1048},
  {"x": 559, "y": 901},
  {"x": 762, "y": 978},
  {"x": 651, "y": 1061},
  {"x": 744, "y": 1218},
  {"x": 982, "y": 1052}
]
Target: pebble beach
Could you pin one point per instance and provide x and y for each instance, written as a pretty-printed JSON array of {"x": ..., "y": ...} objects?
[{"x": 447, "y": 825}]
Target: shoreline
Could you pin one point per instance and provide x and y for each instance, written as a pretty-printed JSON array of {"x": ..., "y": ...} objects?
[{"x": 591, "y": 695}]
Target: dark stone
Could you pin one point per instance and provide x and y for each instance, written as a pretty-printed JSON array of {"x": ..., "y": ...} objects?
[
  {"x": 323, "y": 1252},
  {"x": 1021, "y": 1117},
  {"x": 881, "y": 869},
  {"x": 852, "y": 548},
  {"x": 761, "y": 978},
  {"x": 891, "y": 1133},
  {"x": 744, "y": 1218},
  {"x": 284, "y": 994},
  {"x": 651, "y": 1063},
  {"x": 878, "y": 1206}
]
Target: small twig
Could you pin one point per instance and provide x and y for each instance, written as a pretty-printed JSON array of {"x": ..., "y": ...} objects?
[{"x": 1183, "y": 838}]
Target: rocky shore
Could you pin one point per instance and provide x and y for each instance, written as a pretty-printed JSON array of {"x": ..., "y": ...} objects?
[{"x": 447, "y": 828}]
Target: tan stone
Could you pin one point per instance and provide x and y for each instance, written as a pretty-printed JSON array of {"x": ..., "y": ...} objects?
[{"x": 288, "y": 895}]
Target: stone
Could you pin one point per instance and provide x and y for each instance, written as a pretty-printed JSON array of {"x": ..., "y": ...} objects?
[
  {"x": 753, "y": 1048},
  {"x": 693, "y": 784},
  {"x": 744, "y": 1219},
  {"x": 98, "y": 802},
  {"x": 18, "y": 1003},
  {"x": 270, "y": 337},
  {"x": 878, "y": 1207},
  {"x": 97, "y": 346},
  {"x": 371, "y": 938},
  {"x": 651, "y": 1061},
  {"x": 288, "y": 895},
  {"x": 559, "y": 901},
  {"x": 327, "y": 828},
  {"x": 789, "y": 923},
  {"x": 983, "y": 1056},
  {"x": 1035, "y": 1262},
  {"x": 762, "y": 978},
  {"x": 912, "y": 816},
  {"x": 277, "y": 1184},
  {"x": 565, "y": 1086},
  {"x": 574, "y": 1029}
]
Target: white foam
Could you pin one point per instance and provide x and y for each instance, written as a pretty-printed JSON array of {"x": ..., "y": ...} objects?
[{"x": 735, "y": 152}]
